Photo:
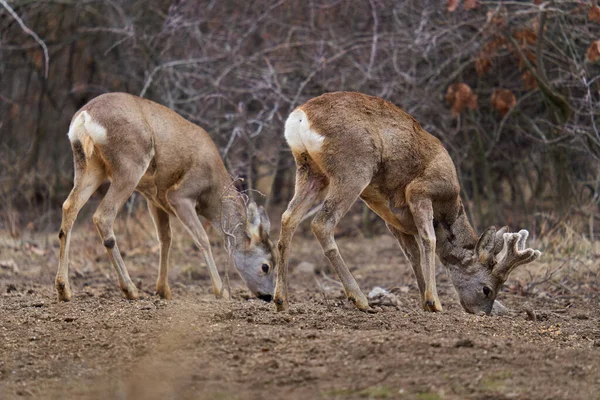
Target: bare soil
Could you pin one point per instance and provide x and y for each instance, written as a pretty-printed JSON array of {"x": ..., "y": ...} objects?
[{"x": 196, "y": 347}]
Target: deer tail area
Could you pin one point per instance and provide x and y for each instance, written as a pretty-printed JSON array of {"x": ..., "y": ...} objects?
[{"x": 84, "y": 133}]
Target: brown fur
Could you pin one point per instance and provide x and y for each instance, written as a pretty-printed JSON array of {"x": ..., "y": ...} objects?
[
  {"x": 177, "y": 167},
  {"x": 88, "y": 146},
  {"x": 375, "y": 151}
]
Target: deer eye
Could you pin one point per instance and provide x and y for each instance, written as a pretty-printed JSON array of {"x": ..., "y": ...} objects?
[
  {"x": 486, "y": 291},
  {"x": 265, "y": 268}
]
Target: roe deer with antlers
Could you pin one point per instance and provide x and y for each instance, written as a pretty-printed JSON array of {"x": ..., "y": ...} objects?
[
  {"x": 140, "y": 145},
  {"x": 350, "y": 145}
]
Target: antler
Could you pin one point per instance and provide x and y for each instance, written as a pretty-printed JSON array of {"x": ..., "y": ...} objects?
[{"x": 513, "y": 252}]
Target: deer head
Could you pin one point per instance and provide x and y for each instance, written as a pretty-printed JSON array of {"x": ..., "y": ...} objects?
[
  {"x": 496, "y": 255},
  {"x": 255, "y": 258}
]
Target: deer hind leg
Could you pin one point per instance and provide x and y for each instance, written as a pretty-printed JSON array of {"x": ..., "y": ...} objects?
[
  {"x": 163, "y": 231},
  {"x": 410, "y": 247},
  {"x": 309, "y": 185},
  {"x": 340, "y": 198},
  {"x": 422, "y": 212},
  {"x": 186, "y": 212},
  {"x": 120, "y": 190},
  {"x": 88, "y": 176}
]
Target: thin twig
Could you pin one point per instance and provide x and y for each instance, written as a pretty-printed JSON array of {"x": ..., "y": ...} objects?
[
  {"x": 30, "y": 33},
  {"x": 375, "y": 38}
]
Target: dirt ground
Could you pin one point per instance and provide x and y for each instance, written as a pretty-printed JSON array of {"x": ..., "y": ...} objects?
[{"x": 101, "y": 346}]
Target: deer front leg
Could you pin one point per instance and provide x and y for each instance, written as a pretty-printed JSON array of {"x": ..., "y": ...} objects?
[
  {"x": 308, "y": 187},
  {"x": 163, "y": 231},
  {"x": 422, "y": 211},
  {"x": 186, "y": 213},
  {"x": 337, "y": 203},
  {"x": 410, "y": 247}
]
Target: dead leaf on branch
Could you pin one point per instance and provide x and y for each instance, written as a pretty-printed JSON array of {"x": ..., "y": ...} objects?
[
  {"x": 503, "y": 100},
  {"x": 467, "y": 5},
  {"x": 526, "y": 39},
  {"x": 530, "y": 55},
  {"x": 529, "y": 82},
  {"x": 482, "y": 64},
  {"x": 490, "y": 50},
  {"x": 453, "y": 5},
  {"x": 593, "y": 52},
  {"x": 460, "y": 96},
  {"x": 497, "y": 19},
  {"x": 470, "y": 4},
  {"x": 15, "y": 110},
  {"x": 594, "y": 13},
  {"x": 525, "y": 36}
]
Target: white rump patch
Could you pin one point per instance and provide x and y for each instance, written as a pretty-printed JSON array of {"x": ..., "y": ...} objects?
[
  {"x": 299, "y": 136},
  {"x": 84, "y": 124}
]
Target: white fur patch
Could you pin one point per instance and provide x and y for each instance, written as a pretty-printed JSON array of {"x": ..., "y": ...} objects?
[
  {"x": 85, "y": 124},
  {"x": 299, "y": 136},
  {"x": 75, "y": 129}
]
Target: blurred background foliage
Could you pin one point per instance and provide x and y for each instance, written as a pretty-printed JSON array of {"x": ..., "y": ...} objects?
[{"x": 510, "y": 87}]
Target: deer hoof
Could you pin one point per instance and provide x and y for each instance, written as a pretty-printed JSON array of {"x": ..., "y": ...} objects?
[
  {"x": 225, "y": 294},
  {"x": 432, "y": 306},
  {"x": 221, "y": 294},
  {"x": 131, "y": 292},
  {"x": 63, "y": 291},
  {"x": 360, "y": 302},
  {"x": 281, "y": 304},
  {"x": 164, "y": 292}
]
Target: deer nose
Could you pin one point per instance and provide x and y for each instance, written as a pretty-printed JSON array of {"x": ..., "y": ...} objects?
[{"x": 265, "y": 297}]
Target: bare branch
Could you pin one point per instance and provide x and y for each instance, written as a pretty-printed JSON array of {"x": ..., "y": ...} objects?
[{"x": 30, "y": 33}]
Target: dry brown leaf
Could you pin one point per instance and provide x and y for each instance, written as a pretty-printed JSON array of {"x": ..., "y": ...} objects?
[
  {"x": 452, "y": 5},
  {"x": 529, "y": 82},
  {"x": 593, "y": 52},
  {"x": 15, "y": 111},
  {"x": 460, "y": 96},
  {"x": 496, "y": 18},
  {"x": 594, "y": 13},
  {"x": 496, "y": 24},
  {"x": 538, "y": 2},
  {"x": 525, "y": 36},
  {"x": 530, "y": 55},
  {"x": 482, "y": 64},
  {"x": 37, "y": 58},
  {"x": 470, "y": 4},
  {"x": 503, "y": 100},
  {"x": 484, "y": 59}
]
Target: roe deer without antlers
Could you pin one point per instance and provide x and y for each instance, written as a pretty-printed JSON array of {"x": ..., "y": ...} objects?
[
  {"x": 350, "y": 145},
  {"x": 140, "y": 145}
]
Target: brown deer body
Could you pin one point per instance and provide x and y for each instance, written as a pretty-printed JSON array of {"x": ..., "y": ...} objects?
[
  {"x": 140, "y": 145},
  {"x": 350, "y": 145}
]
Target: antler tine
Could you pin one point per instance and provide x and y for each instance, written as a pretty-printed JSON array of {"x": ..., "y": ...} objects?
[
  {"x": 524, "y": 235},
  {"x": 515, "y": 253}
]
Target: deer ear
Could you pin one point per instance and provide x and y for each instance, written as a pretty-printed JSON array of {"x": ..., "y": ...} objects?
[
  {"x": 499, "y": 240},
  {"x": 485, "y": 246},
  {"x": 252, "y": 221},
  {"x": 265, "y": 224}
]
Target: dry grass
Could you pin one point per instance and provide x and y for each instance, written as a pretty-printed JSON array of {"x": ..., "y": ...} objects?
[{"x": 568, "y": 266}]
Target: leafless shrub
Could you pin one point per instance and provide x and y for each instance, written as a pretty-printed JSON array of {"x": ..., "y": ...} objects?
[{"x": 238, "y": 68}]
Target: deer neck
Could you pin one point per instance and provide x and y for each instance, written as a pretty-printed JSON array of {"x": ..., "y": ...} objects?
[
  {"x": 230, "y": 218},
  {"x": 455, "y": 238}
]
